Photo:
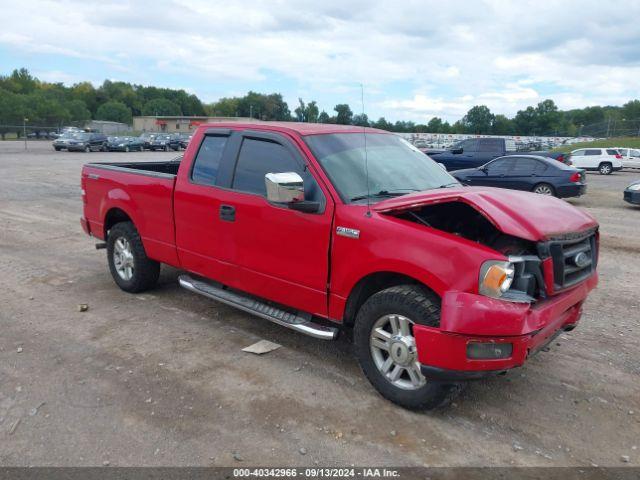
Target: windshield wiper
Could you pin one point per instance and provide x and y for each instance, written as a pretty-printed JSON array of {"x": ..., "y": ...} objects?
[
  {"x": 386, "y": 193},
  {"x": 449, "y": 185}
]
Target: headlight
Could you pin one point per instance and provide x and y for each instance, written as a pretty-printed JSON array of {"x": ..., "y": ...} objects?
[
  {"x": 495, "y": 278},
  {"x": 121, "y": 144},
  {"x": 635, "y": 187}
]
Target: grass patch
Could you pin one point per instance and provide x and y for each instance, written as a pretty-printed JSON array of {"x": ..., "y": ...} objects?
[{"x": 628, "y": 142}]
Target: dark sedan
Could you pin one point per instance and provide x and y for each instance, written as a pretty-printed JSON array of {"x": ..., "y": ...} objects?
[
  {"x": 632, "y": 193},
  {"x": 165, "y": 142},
  {"x": 531, "y": 173},
  {"x": 125, "y": 144}
]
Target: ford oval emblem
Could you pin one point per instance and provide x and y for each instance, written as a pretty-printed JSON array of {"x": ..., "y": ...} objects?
[{"x": 581, "y": 260}]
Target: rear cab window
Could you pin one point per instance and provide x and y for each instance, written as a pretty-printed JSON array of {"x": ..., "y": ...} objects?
[
  {"x": 493, "y": 145},
  {"x": 611, "y": 151}
]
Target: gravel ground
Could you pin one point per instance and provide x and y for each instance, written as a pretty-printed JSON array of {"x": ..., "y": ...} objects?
[{"x": 160, "y": 379}]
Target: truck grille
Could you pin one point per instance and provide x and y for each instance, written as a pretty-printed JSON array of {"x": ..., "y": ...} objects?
[{"x": 574, "y": 260}]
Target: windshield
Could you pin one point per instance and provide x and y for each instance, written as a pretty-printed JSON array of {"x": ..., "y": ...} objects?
[
  {"x": 395, "y": 166},
  {"x": 82, "y": 136}
]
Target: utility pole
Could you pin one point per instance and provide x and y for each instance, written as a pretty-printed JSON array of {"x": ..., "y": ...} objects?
[
  {"x": 24, "y": 131},
  {"x": 251, "y": 111},
  {"x": 608, "y": 125}
]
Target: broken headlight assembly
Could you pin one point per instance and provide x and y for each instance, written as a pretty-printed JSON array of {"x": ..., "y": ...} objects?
[{"x": 519, "y": 279}]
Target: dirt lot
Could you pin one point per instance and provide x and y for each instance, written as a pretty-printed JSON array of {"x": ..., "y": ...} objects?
[{"x": 160, "y": 378}]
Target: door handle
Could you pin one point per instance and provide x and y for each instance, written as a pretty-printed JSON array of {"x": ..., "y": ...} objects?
[{"x": 228, "y": 213}]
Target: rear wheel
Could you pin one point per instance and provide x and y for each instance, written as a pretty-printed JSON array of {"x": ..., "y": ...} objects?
[
  {"x": 605, "y": 168},
  {"x": 544, "y": 189},
  {"x": 386, "y": 348},
  {"x": 130, "y": 267}
]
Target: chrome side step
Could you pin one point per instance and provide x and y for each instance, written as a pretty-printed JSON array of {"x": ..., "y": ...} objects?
[{"x": 300, "y": 322}]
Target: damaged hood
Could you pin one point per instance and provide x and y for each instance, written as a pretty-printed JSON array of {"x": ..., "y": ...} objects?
[{"x": 521, "y": 214}]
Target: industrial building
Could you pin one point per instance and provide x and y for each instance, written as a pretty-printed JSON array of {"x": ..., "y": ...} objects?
[{"x": 179, "y": 124}]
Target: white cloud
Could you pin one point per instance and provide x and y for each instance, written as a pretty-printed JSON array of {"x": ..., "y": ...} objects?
[{"x": 416, "y": 58}]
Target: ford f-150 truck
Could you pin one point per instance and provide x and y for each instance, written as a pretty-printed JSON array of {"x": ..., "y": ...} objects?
[
  {"x": 321, "y": 228},
  {"x": 475, "y": 152}
]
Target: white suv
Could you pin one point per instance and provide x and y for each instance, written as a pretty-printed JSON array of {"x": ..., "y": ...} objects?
[
  {"x": 630, "y": 157},
  {"x": 604, "y": 160}
]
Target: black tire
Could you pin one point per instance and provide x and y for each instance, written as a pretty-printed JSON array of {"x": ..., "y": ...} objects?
[
  {"x": 166, "y": 148},
  {"x": 126, "y": 149},
  {"x": 145, "y": 270},
  {"x": 57, "y": 149},
  {"x": 544, "y": 189},
  {"x": 420, "y": 306},
  {"x": 605, "y": 168},
  {"x": 87, "y": 149}
]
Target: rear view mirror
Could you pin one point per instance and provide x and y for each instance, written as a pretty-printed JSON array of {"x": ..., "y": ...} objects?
[{"x": 284, "y": 187}]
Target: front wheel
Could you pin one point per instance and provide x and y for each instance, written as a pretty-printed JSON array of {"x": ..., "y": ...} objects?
[
  {"x": 386, "y": 348},
  {"x": 544, "y": 189},
  {"x": 126, "y": 149},
  {"x": 130, "y": 267},
  {"x": 605, "y": 168}
]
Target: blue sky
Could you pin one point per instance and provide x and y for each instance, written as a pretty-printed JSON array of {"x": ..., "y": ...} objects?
[{"x": 416, "y": 59}]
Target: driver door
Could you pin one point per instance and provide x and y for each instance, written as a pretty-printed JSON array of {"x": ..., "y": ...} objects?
[{"x": 279, "y": 254}]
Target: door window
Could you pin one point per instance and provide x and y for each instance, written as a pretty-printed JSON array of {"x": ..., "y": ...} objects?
[
  {"x": 469, "y": 146},
  {"x": 524, "y": 166},
  {"x": 256, "y": 159},
  {"x": 578, "y": 153},
  {"x": 499, "y": 167},
  {"x": 593, "y": 152},
  {"x": 635, "y": 153},
  {"x": 207, "y": 162}
]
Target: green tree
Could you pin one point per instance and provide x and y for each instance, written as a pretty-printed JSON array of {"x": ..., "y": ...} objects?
[
  {"x": 301, "y": 111},
  {"x": 312, "y": 112},
  {"x": 323, "y": 117},
  {"x": 344, "y": 114},
  {"x": 382, "y": 124},
  {"x": 115, "y": 112},
  {"x": 361, "y": 120},
  {"x": 78, "y": 112},
  {"x": 501, "y": 125},
  {"x": 161, "y": 106},
  {"x": 225, "y": 107},
  {"x": 435, "y": 125},
  {"x": 478, "y": 120}
]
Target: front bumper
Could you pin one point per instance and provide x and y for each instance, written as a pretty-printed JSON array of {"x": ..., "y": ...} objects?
[
  {"x": 632, "y": 196},
  {"x": 468, "y": 318}
]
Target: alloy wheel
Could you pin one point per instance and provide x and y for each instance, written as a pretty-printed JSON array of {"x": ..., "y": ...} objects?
[
  {"x": 123, "y": 258},
  {"x": 393, "y": 348}
]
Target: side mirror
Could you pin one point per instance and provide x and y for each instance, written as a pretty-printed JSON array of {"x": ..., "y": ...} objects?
[
  {"x": 288, "y": 189},
  {"x": 284, "y": 187},
  {"x": 442, "y": 166},
  {"x": 457, "y": 151}
]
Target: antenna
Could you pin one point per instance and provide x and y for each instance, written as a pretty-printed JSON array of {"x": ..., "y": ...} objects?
[{"x": 366, "y": 159}]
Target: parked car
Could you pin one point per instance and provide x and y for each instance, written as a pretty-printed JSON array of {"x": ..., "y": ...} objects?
[
  {"x": 475, "y": 152},
  {"x": 603, "y": 160},
  {"x": 632, "y": 193},
  {"x": 530, "y": 173},
  {"x": 630, "y": 157},
  {"x": 87, "y": 142},
  {"x": 147, "y": 138},
  {"x": 165, "y": 142},
  {"x": 63, "y": 140},
  {"x": 184, "y": 139},
  {"x": 125, "y": 144},
  {"x": 440, "y": 282}
]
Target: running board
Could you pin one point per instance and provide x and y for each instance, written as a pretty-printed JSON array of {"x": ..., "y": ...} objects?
[{"x": 300, "y": 322}]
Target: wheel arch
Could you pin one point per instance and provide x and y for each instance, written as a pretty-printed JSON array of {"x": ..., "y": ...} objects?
[
  {"x": 115, "y": 215},
  {"x": 373, "y": 283}
]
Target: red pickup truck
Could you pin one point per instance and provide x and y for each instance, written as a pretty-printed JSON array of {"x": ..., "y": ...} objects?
[{"x": 325, "y": 227}]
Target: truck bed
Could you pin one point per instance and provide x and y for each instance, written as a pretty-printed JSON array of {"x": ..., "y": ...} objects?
[
  {"x": 143, "y": 168},
  {"x": 141, "y": 191}
]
